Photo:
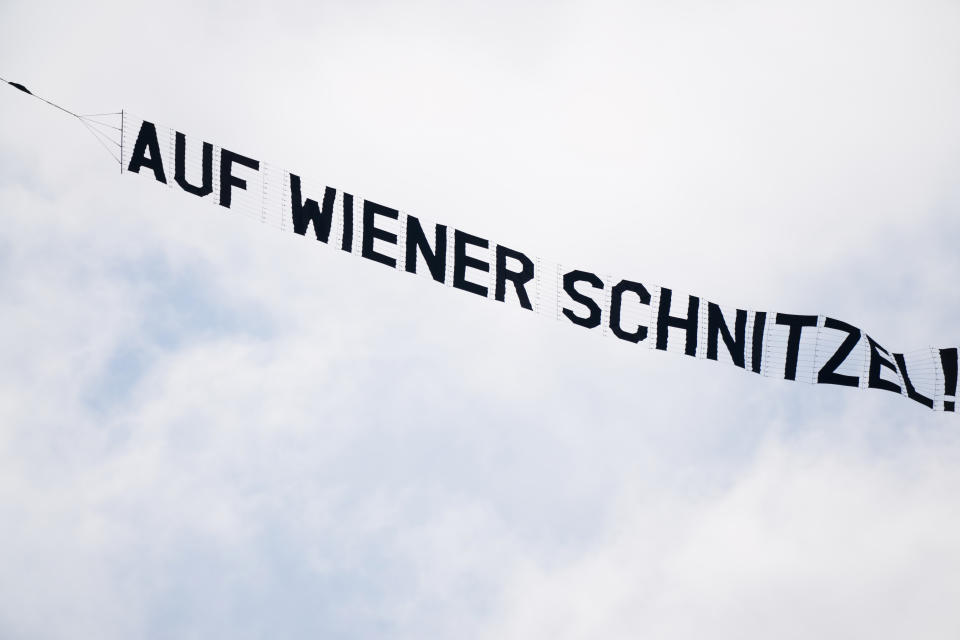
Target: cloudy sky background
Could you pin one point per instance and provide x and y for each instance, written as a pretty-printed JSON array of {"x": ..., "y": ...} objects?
[{"x": 212, "y": 429}]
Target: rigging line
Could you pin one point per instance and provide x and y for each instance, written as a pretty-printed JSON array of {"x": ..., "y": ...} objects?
[
  {"x": 105, "y": 137},
  {"x": 112, "y": 155},
  {"x": 99, "y": 117},
  {"x": 101, "y": 137},
  {"x": 108, "y": 139},
  {"x": 89, "y": 115},
  {"x": 102, "y": 124},
  {"x": 107, "y": 132}
]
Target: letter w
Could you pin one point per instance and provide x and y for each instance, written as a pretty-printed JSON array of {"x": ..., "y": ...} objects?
[{"x": 303, "y": 212}]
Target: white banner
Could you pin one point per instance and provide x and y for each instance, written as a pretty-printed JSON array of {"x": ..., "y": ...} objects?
[{"x": 816, "y": 349}]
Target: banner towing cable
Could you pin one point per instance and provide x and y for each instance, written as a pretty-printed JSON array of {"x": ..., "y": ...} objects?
[{"x": 101, "y": 131}]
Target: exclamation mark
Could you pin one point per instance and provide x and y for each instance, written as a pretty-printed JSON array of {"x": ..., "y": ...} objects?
[{"x": 948, "y": 357}]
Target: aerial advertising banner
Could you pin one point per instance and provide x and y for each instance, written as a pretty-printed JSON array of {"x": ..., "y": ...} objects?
[{"x": 811, "y": 348}]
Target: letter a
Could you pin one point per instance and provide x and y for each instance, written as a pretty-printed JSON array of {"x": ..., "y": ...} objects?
[{"x": 147, "y": 141}]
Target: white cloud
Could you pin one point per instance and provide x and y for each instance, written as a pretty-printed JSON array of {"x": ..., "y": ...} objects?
[{"x": 211, "y": 429}]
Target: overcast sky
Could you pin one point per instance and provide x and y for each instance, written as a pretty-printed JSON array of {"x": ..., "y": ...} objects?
[{"x": 212, "y": 429}]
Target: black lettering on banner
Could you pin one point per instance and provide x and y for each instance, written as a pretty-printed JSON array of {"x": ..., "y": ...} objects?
[
  {"x": 756, "y": 358},
  {"x": 570, "y": 281},
  {"x": 227, "y": 179},
  {"x": 372, "y": 232},
  {"x": 736, "y": 343},
  {"x": 876, "y": 362},
  {"x": 461, "y": 261},
  {"x": 828, "y": 372},
  {"x": 616, "y": 302},
  {"x": 949, "y": 361},
  {"x": 306, "y": 211},
  {"x": 912, "y": 392},
  {"x": 180, "y": 167},
  {"x": 518, "y": 278},
  {"x": 796, "y": 324},
  {"x": 347, "y": 242},
  {"x": 689, "y": 324},
  {"x": 436, "y": 259},
  {"x": 508, "y": 268},
  {"x": 147, "y": 141}
]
